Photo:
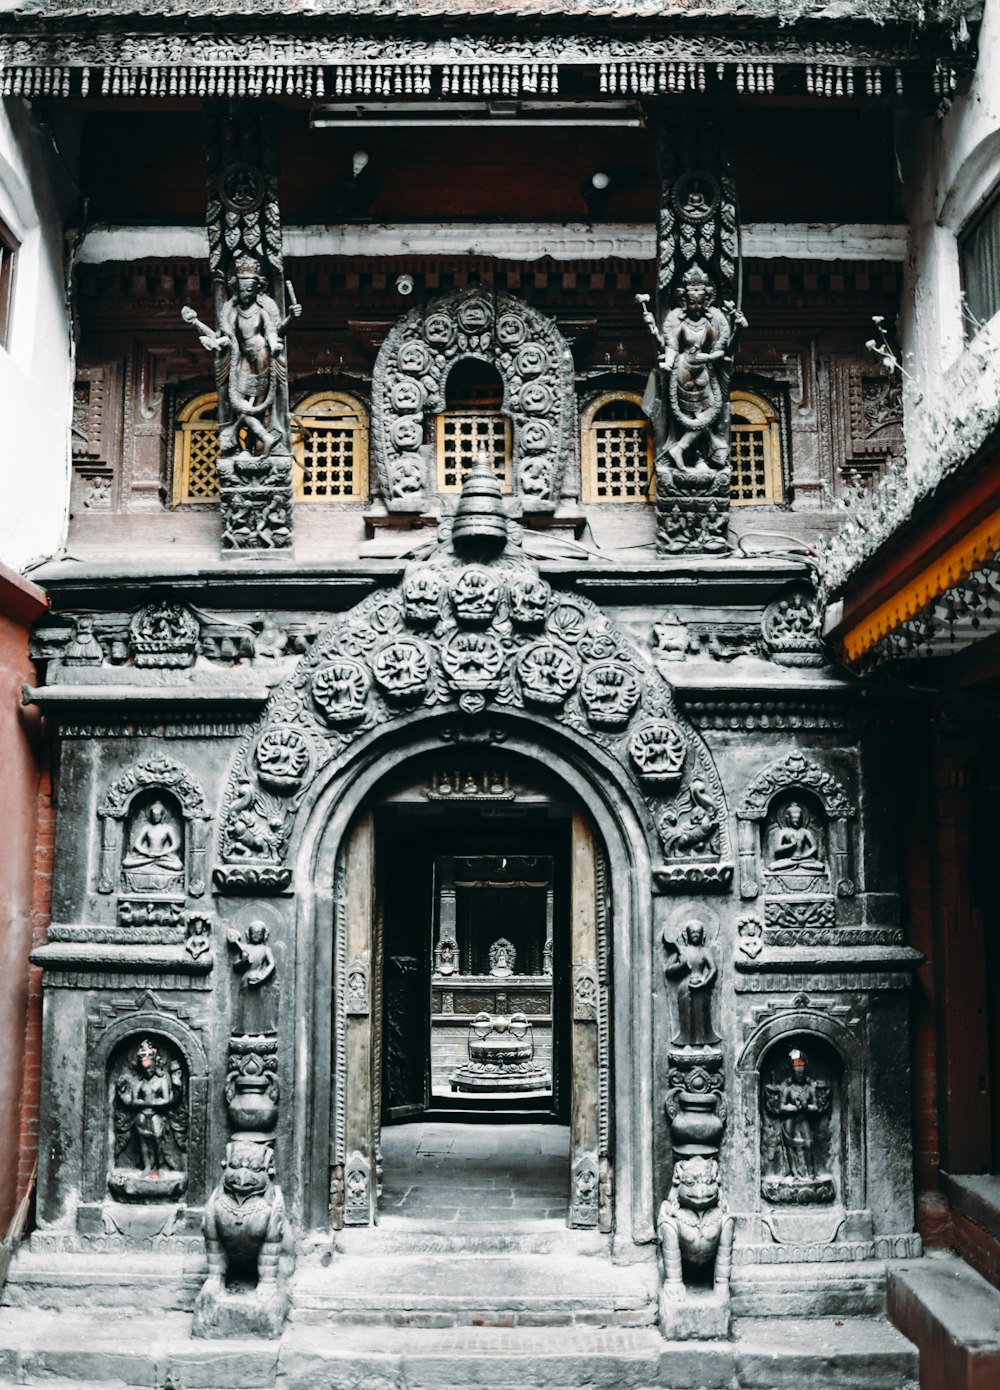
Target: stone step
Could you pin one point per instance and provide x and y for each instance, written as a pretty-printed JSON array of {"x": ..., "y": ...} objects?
[
  {"x": 474, "y": 1289},
  {"x": 74, "y": 1279},
  {"x": 76, "y": 1352},
  {"x": 953, "y": 1315},
  {"x": 835, "y": 1290},
  {"x": 404, "y": 1236}
]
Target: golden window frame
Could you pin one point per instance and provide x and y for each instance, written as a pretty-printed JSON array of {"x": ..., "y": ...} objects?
[
  {"x": 445, "y": 457},
  {"x": 330, "y": 411},
  {"x": 592, "y": 434},
  {"x": 758, "y": 430},
  {"x": 192, "y": 434}
]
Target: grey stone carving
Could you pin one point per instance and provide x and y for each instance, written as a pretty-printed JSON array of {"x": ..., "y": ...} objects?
[
  {"x": 501, "y": 1057},
  {"x": 797, "y": 1167},
  {"x": 148, "y": 1087},
  {"x": 252, "y": 1089},
  {"x": 154, "y": 860},
  {"x": 162, "y": 811},
  {"x": 585, "y": 1191},
  {"x": 357, "y": 1190},
  {"x": 502, "y": 956},
  {"x": 256, "y": 966},
  {"x": 690, "y": 963},
  {"x": 410, "y": 381},
  {"x": 696, "y": 1243},
  {"x": 794, "y": 832},
  {"x": 790, "y": 628},
  {"x": 695, "y": 325},
  {"x": 378, "y": 665},
  {"x": 249, "y": 1246},
  {"x": 164, "y": 634},
  {"x": 253, "y": 314}
]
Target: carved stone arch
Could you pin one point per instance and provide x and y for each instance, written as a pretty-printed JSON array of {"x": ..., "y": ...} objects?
[
  {"x": 151, "y": 774},
  {"x": 476, "y": 644},
  {"x": 534, "y": 363},
  {"x": 805, "y": 1020},
  {"x": 107, "y": 1027},
  {"x": 796, "y": 773}
]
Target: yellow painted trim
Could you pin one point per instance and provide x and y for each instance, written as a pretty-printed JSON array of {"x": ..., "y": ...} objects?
[
  {"x": 189, "y": 420},
  {"x": 589, "y": 426},
  {"x": 316, "y": 410},
  {"x": 964, "y": 558}
]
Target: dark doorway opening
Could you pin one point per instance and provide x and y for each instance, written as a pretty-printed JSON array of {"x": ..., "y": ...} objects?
[{"x": 474, "y": 906}]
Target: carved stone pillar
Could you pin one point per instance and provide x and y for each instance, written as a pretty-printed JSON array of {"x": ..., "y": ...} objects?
[
  {"x": 695, "y": 325},
  {"x": 254, "y": 307}
]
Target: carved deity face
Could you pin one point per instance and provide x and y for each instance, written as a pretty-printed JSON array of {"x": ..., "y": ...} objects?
[
  {"x": 697, "y": 1183},
  {"x": 695, "y": 933},
  {"x": 696, "y": 299},
  {"x": 247, "y": 287},
  {"x": 798, "y": 1065},
  {"x": 157, "y": 812},
  {"x": 246, "y": 1168},
  {"x": 257, "y": 933},
  {"x": 794, "y": 816}
]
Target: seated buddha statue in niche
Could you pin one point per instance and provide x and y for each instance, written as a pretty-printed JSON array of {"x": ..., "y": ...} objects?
[
  {"x": 154, "y": 852},
  {"x": 794, "y": 846}
]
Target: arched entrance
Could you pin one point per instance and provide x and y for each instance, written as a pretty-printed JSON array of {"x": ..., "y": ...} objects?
[{"x": 388, "y": 855}]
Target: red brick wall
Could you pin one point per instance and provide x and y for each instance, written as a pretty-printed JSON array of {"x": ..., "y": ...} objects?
[{"x": 20, "y": 758}]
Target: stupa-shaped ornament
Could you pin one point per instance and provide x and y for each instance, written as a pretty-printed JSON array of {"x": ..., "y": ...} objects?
[{"x": 480, "y": 525}]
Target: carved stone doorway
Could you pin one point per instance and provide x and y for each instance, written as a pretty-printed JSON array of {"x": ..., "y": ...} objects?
[{"x": 474, "y": 979}]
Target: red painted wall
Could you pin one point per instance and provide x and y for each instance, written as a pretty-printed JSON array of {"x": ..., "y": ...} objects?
[{"x": 20, "y": 761}]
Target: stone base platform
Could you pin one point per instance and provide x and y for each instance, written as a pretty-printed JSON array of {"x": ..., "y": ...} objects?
[
  {"x": 953, "y": 1315},
  {"x": 75, "y": 1352}
]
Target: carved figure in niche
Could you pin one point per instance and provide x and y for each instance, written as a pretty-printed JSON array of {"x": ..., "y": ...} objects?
[
  {"x": 793, "y": 845},
  {"x": 251, "y": 360},
  {"x": 249, "y": 1248},
  {"x": 502, "y": 957},
  {"x": 444, "y": 956},
  {"x": 695, "y": 1234},
  {"x": 150, "y": 1121},
  {"x": 691, "y": 963},
  {"x": 153, "y": 862},
  {"x": 800, "y": 1104},
  {"x": 697, "y": 340},
  {"x": 257, "y": 1012}
]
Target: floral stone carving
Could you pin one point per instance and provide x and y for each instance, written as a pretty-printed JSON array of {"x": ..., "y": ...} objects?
[
  {"x": 411, "y": 371},
  {"x": 282, "y": 759},
  {"x": 473, "y": 626}
]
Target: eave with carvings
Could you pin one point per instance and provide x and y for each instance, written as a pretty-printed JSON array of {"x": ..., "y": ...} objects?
[{"x": 453, "y": 48}]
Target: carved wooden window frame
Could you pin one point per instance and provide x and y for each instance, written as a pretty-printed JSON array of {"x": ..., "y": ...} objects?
[
  {"x": 768, "y": 424},
  {"x": 9, "y": 247},
  {"x": 979, "y": 265},
  {"x": 442, "y": 456},
  {"x": 591, "y": 430},
  {"x": 311, "y": 417},
  {"x": 191, "y": 423}
]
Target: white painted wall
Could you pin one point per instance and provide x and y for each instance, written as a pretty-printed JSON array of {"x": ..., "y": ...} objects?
[
  {"x": 950, "y": 166},
  {"x": 36, "y": 372}
]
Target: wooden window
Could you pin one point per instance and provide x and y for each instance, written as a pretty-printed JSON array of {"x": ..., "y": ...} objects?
[
  {"x": 617, "y": 451},
  {"x": 979, "y": 254},
  {"x": 473, "y": 421},
  {"x": 755, "y": 448},
  {"x": 196, "y": 452},
  {"x": 8, "y": 265},
  {"x": 330, "y": 442}
]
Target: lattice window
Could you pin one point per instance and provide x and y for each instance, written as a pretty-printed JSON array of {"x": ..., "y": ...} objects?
[
  {"x": 755, "y": 448},
  {"x": 330, "y": 443},
  {"x": 979, "y": 256},
  {"x": 473, "y": 421},
  {"x": 196, "y": 452},
  {"x": 617, "y": 451}
]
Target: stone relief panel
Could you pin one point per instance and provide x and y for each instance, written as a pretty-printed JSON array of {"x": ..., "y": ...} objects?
[
  {"x": 148, "y": 1100},
  {"x": 800, "y": 1123},
  {"x": 153, "y": 828},
  {"x": 471, "y": 645},
  {"x": 410, "y": 380}
]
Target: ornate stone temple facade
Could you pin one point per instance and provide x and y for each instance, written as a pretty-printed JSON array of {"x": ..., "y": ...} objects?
[{"x": 436, "y": 698}]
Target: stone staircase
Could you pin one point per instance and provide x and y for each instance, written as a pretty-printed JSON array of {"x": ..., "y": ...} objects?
[{"x": 403, "y": 1307}]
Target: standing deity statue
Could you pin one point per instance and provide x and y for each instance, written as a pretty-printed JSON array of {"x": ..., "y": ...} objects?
[
  {"x": 797, "y": 1103},
  {"x": 696, "y": 362},
  {"x": 691, "y": 963},
  {"x": 250, "y": 363},
  {"x": 148, "y": 1125},
  {"x": 256, "y": 966}
]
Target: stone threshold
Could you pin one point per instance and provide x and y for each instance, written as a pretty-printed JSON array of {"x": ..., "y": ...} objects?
[{"x": 68, "y": 1350}]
